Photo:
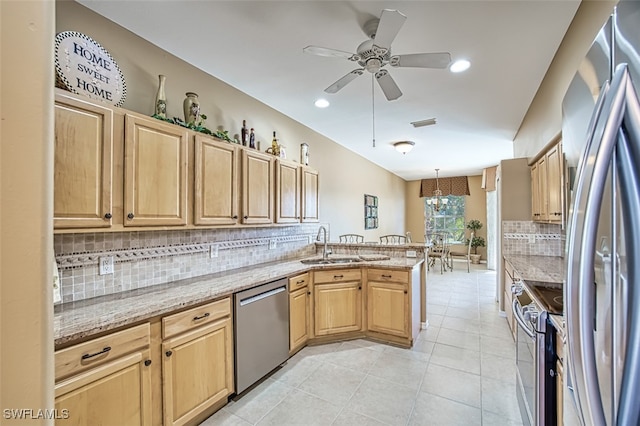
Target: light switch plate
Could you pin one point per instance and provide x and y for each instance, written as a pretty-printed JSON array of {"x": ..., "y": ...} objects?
[
  {"x": 532, "y": 238},
  {"x": 411, "y": 253},
  {"x": 105, "y": 265},
  {"x": 213, "y": 251}
]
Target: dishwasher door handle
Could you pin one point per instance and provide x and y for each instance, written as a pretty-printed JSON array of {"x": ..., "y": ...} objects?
[{"x": 261, "y": 296}]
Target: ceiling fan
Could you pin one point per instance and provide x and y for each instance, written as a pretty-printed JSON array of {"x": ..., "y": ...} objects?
[{"x": 374, "y": 54}]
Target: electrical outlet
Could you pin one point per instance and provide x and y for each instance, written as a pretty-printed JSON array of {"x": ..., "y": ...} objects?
[
  {"x": 213, "y": 251},
  {"x": 310, "y": 239},
  {"x": 411, "y": 253},
  {"x": 532, "y": 238},
  {"x": 105, "y": 265},
  {"x": 272, "y": 244}
]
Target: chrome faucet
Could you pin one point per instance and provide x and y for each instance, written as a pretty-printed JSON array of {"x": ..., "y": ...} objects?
[{"x": 325, "y": 251}]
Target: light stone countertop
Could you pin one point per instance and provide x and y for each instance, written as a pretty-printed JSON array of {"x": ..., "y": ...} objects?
[
  {"x": 79, "y": 320},
  {"x": 538, "y": 268}
]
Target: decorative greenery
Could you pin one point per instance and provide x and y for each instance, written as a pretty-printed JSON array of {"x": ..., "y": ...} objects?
[
  {"x": 474, "y": 225},
  {"x": 477, "y": 242},
  {"x": 198, "y": 127}
]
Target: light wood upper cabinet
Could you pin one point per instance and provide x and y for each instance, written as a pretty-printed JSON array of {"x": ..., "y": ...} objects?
[
  {"x": 215, "y": 182},
  {"x": 155, "y": 168},
  {"x": 547, "y": 187},
  {"x": 106, "y": 380},
  {"x": 257, "y": 187},
  {"x": 82, "y": 166},
  {"x": 310, "y": 195},
  {"x": 287, "y": 192}
]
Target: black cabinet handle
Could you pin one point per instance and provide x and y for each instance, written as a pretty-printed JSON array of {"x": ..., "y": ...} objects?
[
  {"x": 234, "y": 217},
  {"x": 360, "y": 287},
  {"x": 104, "y": 351},
  {"x": 206, "y": 314},
  {"x": 299, "y": 282},
  {"x": 147, "y": 362},
  {"x": 108, "y": 216},
  {"x": 309, "y": 293},
  {"x": 335, "y": 277},
  {"x": 130, "y": 216},
  {"x": 405, "y": 292},
  {"x": 168, "y": 353},
  {"x": 246, "y": 217},
  {"x": 386, "y": 276}
]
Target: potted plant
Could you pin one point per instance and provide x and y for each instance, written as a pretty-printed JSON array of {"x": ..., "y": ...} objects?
[{"x": 476, "y": 241}]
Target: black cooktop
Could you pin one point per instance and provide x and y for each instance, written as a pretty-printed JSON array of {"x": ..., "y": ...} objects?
[{"x": 550, "y": 295}]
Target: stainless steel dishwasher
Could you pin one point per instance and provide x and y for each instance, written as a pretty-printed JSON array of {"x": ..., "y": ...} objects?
[{"x": 261, "y": 331}]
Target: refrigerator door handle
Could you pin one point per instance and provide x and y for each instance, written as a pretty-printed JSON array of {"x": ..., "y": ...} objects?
[
  {"x": 628, "y": 160},
  {"x": 581, "y": 247}
]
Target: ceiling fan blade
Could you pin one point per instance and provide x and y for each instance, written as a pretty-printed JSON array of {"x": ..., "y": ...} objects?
[
  {"x": 388, "y": 85},
  {"x": 390, "y": 23},
  {"x": 344, "y": 81},
  {"x": 332, "y": 53},
  {"x": 422, "y": 60}
]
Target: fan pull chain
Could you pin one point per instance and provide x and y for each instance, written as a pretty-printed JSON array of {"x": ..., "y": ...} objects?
[{"x": 373, "y": 111}]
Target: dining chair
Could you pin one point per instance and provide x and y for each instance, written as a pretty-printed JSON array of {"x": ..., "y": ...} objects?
[
  {"x": 393, "y": 239},
  {"x": 439, "y": 250},
  {"x": 351, "y": 238},
  {"x": 466, "y": 255}
]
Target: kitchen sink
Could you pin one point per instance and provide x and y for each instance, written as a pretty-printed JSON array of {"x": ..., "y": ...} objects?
[{"x": 331, "y": 260}]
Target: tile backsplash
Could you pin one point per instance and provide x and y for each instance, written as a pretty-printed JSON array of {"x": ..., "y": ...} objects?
[
  {"x": 532, "y": 239},
  {"x": 146, "y": 258}
]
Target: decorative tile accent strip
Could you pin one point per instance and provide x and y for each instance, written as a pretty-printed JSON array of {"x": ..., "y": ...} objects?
[
  {"x": 128, "y": 255},
  {"x": 519, "y": 236}
]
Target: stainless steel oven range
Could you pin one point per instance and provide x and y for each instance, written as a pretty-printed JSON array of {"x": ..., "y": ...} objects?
[{"x": 535, "y": 351}]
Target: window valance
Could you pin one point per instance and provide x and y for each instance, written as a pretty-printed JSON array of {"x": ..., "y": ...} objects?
[{"x": 458, "y": 185}]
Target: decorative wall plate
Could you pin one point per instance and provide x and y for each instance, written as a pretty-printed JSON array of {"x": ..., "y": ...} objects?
[{"x": 84, "y": 67}]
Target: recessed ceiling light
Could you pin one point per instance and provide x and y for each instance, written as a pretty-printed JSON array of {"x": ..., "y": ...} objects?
[
  {"x": 460, "y": 65},
  {"x": 322, "y": 103}
]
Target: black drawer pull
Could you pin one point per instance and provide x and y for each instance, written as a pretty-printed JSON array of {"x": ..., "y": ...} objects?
[
  {"x": 206, "y": 314},
  {"x": 386, "y": 276},
  {"x": 335, "y": 277},
  {"x": 299, "y": 282},
  {"x": 104, "y": 351}
]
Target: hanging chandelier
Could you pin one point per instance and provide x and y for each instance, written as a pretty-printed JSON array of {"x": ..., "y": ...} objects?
[{"x": 437, "y": 201}]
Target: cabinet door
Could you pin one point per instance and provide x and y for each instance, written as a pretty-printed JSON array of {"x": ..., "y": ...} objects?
[
  {"x": 310, "y": 195},
  {"x": 298, "y": 318},
  {"x": 116, "y": 393},
  {"x": 554, "y": 183},
  {"x": 338, "y": 307},
  {"x": 388, "y": 308},
  {"x": 155, "y": 167},
  {"x": 287, "y": 192},
  {"x": 535, "y": 193},
  {"x": 197, "y": 371},
  {"x": 216, "y": 182},
  {"x": 82, "y": 164},
  {"x": 543, "y": 189},
  {"x": 257, "y": 187}
]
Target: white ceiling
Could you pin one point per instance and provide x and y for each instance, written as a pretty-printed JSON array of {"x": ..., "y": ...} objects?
[{"x": 256, "y": 46}]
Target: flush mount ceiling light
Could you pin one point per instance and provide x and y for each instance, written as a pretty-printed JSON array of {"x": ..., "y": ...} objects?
[
  {"x": 404, "y": 146},
  {"x": 322, "y": 103},
  {"x": 460, "y": 65}
]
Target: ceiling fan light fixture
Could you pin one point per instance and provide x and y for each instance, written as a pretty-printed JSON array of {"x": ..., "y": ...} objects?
[
  {"x": 404, "y": 146},
  {"x": 460, "y": 65},
  {"x": 321, "y": 103}
]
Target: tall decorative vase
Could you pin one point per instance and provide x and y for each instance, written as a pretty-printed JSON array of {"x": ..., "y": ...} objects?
[
  {"x": 161, "y": 98},
  {"x": 191, "y": 107}
]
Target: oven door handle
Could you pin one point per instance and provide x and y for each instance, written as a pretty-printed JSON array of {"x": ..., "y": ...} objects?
[{"x": 520, "y": 320}]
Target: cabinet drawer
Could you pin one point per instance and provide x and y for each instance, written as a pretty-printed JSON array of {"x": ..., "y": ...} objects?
[
  {"x": 386, "y": 275},
  {"x": 336, "y": 275},
  {"x": 184, "y": 321},
  {"x": 298, "y": 281},
  {"x": 81, "y": 357}
]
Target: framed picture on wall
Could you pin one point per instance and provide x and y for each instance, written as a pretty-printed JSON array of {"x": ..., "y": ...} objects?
[{"x": 370, "y": 211}]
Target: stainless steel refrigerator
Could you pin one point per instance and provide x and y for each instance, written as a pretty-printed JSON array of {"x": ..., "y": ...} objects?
[{"x": 601, "y": 139}]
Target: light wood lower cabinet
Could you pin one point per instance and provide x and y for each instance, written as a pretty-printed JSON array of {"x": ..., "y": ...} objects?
[
  {"x": 299, "y": 296},
  {"x": 105, "y": 381},
  {"x": 388, "y": 302},
  {"x": 337, "y": 302},
  {"x": 509, "y": 279},
  {"x": 197, "y": 367}
]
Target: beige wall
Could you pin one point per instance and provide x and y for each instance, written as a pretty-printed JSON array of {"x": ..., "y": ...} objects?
[
  {"x": 344, "y": 176},
  {"x": 26, "y": 228},
  {"x": 543, "y": 120},
  {"x": 475, "y": 208}
]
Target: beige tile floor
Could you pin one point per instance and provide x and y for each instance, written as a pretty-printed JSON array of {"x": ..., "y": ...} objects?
[{"x": 460, "y": 371}]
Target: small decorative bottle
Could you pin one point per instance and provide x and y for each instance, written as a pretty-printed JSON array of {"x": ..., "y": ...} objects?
[
  {"x": 161, "y": 99},
  {"x": 191, "y": 107},
  {"x": 304, "y": 154},
  {"x": 275, "y": 149},
  {"x": 243, "y": 132},
  {"x": 252, "y": 139}
]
